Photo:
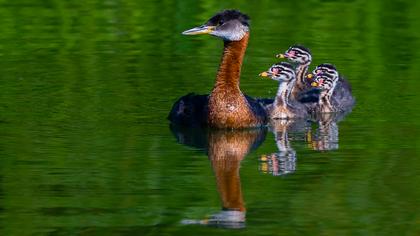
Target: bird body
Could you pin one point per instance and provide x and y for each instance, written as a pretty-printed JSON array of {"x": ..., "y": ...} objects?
[
  {"x": 226, "y": 106},
  {"x": 302, "y": 58},
  {"x": 335, "y": 91},
  {"x": 284, "y": 107}
]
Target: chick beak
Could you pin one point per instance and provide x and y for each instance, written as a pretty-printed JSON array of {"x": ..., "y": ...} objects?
[
  {"x": 309, "y": 76},
  {"x": 264, "y": 74},
  {"x": 204, "y": 29},
  {"x": 281, "y": 55},
  {"x": 314, "y": 84}
]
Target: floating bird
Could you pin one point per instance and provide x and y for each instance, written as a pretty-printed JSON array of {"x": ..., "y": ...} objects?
[
  {"x": 302, "y": 57},
  {"x": 335, "y": 91},
  {"x": 283, "y": 106},
  {"x": 226, "y": 106}
]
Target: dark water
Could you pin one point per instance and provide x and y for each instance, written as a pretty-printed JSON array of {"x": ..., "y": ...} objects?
[{"x": 85, "y": 147}]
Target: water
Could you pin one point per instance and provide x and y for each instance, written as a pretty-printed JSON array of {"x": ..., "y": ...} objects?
[{"x": 85, "y": 147}]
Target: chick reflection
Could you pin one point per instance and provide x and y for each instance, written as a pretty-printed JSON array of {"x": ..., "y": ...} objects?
[
  {"x": 325, "y": 137},
  {"x": 226, "y": 149},
  {"x": 282, "y": 162}
]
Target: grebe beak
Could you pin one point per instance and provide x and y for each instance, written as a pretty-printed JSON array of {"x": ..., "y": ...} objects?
[
  {"x": 281, "y": 55},
  {"x": 265, "y": 74},
  {"x": 314, "y": 84},
  {"x": 204, "y": 29},
  {"x": 310, "y": 76}
]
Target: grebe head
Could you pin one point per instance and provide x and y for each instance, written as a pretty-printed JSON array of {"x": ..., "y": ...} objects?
[
  {"x": 326, "y": 68},
  {"x": 282, "y": 71},
  {"x": 297, "y": 54},
  {"x": 229, "y": 25},
  {"x": 326, "y": 76}
]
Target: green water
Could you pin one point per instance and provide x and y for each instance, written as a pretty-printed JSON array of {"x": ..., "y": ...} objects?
[{"x": 85, "y": 147}]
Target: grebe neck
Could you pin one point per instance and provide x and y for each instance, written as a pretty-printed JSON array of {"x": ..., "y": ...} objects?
[
  {"x": 301, "y": 71},
  {"x": 283, "y": 93},
  {"x": 229, "y": 71}
]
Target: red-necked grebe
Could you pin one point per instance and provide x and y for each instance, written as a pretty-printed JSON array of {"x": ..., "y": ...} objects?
[{"x": 226, "y": 106}]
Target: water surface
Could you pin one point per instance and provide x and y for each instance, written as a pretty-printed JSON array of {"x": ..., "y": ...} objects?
[{"x": 85, "y": 147}]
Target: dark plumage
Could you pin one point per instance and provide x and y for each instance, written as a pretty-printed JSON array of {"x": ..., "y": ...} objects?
[
  {"x": 228, "y": 15},
  {"x": 192, "y": 109},
  {"x": 343, "y": 95},
  {"x": 309, "y": 96}
]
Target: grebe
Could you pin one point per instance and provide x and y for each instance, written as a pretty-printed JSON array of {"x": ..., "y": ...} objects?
[
  {"x": 226, "y": 106},
  {"x": 283, "y": 107},
  {"x": 335, "y": 91},
  {"x": 302, "y": 57},
  {"x": 342, "y": 91}
]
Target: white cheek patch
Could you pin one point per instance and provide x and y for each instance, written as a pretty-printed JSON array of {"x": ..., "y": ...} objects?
[{"x": 231, "y": 35}]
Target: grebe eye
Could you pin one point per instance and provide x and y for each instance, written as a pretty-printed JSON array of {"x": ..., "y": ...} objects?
[{"x": 275, "y": 70}]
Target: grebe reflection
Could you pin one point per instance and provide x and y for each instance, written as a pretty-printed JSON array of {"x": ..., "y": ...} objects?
[
  {"x": 226, "y": 149},
  {"x": 326, "y": 135},
  {"x": 283, "y": 161}
]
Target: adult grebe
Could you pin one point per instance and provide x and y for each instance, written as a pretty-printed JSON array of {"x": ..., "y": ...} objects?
[
  {"x": 283, "y": 107},
  {"x": 302, "y": 57},
  {"x": 335, "y": 91},
  {"x": 226, "y": 106}
]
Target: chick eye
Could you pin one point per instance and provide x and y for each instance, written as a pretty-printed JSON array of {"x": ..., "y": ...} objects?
[
  {"x": 275, "y": 70},
  {"x": 221, "y": 22}
]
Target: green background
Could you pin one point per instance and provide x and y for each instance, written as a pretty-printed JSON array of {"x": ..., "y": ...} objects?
[{"x": 85, "y": 147}]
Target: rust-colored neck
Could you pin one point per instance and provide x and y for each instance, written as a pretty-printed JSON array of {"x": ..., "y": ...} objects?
[
  {"x": 230, "y": 67},
  {"x": 228, "y": 107}
]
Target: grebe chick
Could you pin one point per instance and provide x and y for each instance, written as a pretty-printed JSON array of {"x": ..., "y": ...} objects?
[
  {"x": 226, "y": 106},
  {"x": 333, "y": 98},
  {"x": 342, "y": 90},
  {"x": 302, "y": 57},
  {"x": 283, "y": 107}
]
